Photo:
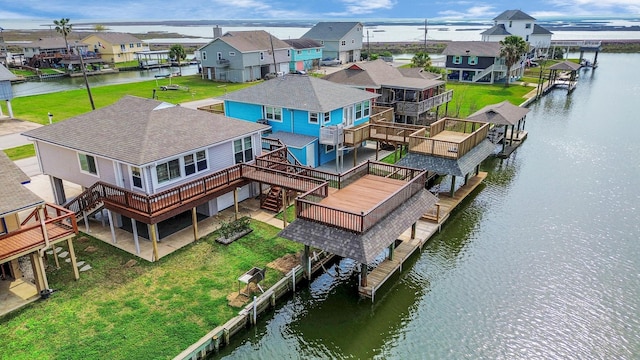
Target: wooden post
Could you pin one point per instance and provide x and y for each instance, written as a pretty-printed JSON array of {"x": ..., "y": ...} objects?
[
  {"x": 392, "y": 247},
  {"x": 363, "y": 275},
  {"x": 306, "y": 261},
  {"x": 284, "y": 207},
  {"x": 38, "y": 272},
  {"x": 355, "y": 156},
  {"x": 194, "y": 221},
  {"x": 466, "y": 178},
  {"x": 235, "y": 202},
  {"x": 413, "y": 231},
  {"x": 55, "y": 256},
  {"x": 377, "y": 148},
  {"x": 504, "y": 139},
  {"x": 154, "y": 241},
  {"x": 453, "y": 185},
  {"x": 136, "y": 241},
  {"x": 43, "y": 273},
  {"x": 72, "y": 254}
]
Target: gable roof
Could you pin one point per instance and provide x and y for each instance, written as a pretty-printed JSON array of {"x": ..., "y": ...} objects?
[
  {"x": 48, "y": 43},
  {"x": 565, "y": 66},
  {"x": 254, "y": 40},
  {"x": 115, "y": 37},
  {"x": 15, "y": 197},
  {"x": 331, "y": 31},
  {"x": 496, "y": 30},
  {"x": 300, "y": 92},
  {"x": 5, "y": 74},
  {"x": 539, "y": 30},
  {"x": 504, "y": 113},
  {"x": 513, "y": 15},
  {"x": 419, "y": 73},
  {"x": 374, "y": 74},
  {"x": 476, "y": 48},
  {"x": 140, "y": 131},
  {"x": 303, "y": 43}
]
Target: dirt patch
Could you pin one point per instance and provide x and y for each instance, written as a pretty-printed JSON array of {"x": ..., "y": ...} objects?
[
  {"x": 82, "y": 239},
  {"x": 90, "y": 249},
  {"x": 239, "y": 300},
  {"x": 130, "y": 263},
  {"x": 285, "y": 263}
]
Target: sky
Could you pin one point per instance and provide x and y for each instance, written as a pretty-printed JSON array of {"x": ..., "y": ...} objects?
[{"x": 313, "y": 9}]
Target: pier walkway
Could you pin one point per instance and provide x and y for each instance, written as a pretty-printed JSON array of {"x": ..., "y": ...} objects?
[{"x": 425, "y": 229}]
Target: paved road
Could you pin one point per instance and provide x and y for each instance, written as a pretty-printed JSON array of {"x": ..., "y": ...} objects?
[{"x": 10, "y": 130}]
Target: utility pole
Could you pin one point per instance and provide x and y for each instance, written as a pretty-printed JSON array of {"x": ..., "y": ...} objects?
[
  {"x": 273, "y": 53},
  {"x": 425, "y": 35},
  {"x": 368, "y": 47},
  {"x": 86, "y": 81}
]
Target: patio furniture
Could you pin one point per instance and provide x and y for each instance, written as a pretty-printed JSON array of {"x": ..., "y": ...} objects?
[{"x": 255, "y": 275}]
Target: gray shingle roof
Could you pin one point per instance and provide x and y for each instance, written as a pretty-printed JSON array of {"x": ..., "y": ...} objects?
[
  {"x": 254, "y": 40},
  {"x": 49, "y": 43},
  {"x": 377, "y": 73},
  {"x": 513, "y": 15},
  {"x": 293, "y": 140},
  {"x": 539, "y": 30},
  {"x": 330, "y": 31},
  {"x": 300, "y": 92},
  {"x": 504, "y": 113},
  {"x": 303, "y": 43},
  {"x": 419, "y": 73},
  {"x": 460, "y": 167},
  {"x": 14, "y": 196},
  {"x": 361, "y": 247},
  {"x": 476, "y": 48},
  {"x": 140, "y": 131},
  {"x": 565, "y": 66},
  {"x": 5, "y": 74},
  {"x": 116, "y": 38},
  {"x": 496, "y": 30}
]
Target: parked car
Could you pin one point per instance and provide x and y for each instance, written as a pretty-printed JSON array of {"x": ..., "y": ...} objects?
[
  {"x": 330, "y": 62},
  {"x": 298, "y": 72},
  {"x": 272, "y": 75}
]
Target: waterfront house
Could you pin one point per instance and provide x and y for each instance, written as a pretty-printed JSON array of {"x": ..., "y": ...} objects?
[
  {"x": 240, "y": 56},
  {"x": 412, "y": 95},
  {"x": 478, "y": 61},
  {"x": 341, "y": 40},
  {"x": 518, "y": 23},
  {"x": 28, "y": 227},
  {"x": 52, "y": 52},
  {"x": 115, "y": 47},
  {"x": 146, "y": 162},
  {"x": 298, "y": 108},
  {"x": 6, "y": 92},
  {"x": 306, "y": 54}
]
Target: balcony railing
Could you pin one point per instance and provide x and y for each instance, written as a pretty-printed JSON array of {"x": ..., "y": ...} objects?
[
  {"x": 308, "y": 205},
  {"x": 413, "y": 108},
  {"x": 423, "y": 143}
]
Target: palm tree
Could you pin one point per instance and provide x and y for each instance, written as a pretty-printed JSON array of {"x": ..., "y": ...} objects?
[
  {"x": 64, "y": 28},
  {"x": 421, "y": 60},
  {"x": 512, "y": 49},
  {"x": 177, "y": 52}
]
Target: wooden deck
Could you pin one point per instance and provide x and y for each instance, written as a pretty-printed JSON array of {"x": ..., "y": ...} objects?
[
  {"x": 425, "y": 228},
  {"x": 364, "y": 194}
]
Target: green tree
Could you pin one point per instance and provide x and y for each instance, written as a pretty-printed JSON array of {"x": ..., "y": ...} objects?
[
  {"x": 177, "y": 52},
  {"x": 63, "y": 28},
  {"x": 99, "y": 28},
  {"x": 421, "y": 59},
  {"x": 511, "y": 49}
]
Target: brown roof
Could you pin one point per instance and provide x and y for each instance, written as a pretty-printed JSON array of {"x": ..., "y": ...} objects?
[
  {"x": 476, "y": 48},
  {"x": 565, "y": 66},
  {"x": 504, "y": 113},
  {"x": 14, "y": 196},
  {"x": 417, "y": 72},
  {"x": 378, "y": 73},
  {"x": 140, "y": 131},
  {"x": 246, "y": 41},
  {"x": 116, "y": 37}
]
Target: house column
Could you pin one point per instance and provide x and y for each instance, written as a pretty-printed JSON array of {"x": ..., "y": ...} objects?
[
  {"x": 10, "y": 110},
  {"x": 72, "y": 254},
  {"x": 134, "y": 227},
  {"x": 363, "y": 275},
  {"x": 113, "y": 230},
  {"x": 392, "y": 247},
  {"x": 154, "y": 241},
  {"x": 194, "y": 221},
  {"x": 58, "y": 190},
  {"x": 235, "y": 202}
]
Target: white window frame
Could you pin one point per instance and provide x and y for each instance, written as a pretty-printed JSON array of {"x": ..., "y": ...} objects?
[
  {"x": 358, "y": 105},
  {"x": 271, "y": 113},
  {"x": 474, "y": 58},
  {"x": 219, "y": 54},
  {"x": 204, "y": 55},
  {"x": 95, "y": 164},
  {"x": 132, "y": 176},
  {"x": 314, "y": 118},
  {"x": 326, "y": 118},
  {"x": 343, "y": 42},
  {"x": 366, "y": 108},
  {"x": 457, "y": 59},
  {"x": 169, "y": 179},
  {"x": 261, "y": 55},
  {"x": 243, "y": 150},
  {"x": 199, "y": 165},
  {"x": 348, "y": 113}
]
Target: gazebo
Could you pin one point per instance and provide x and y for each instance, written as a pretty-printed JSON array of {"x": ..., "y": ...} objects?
[
  {"x": 6, "y": 93},
  {"x": 564, "y": 67},
  {"x": 506, "y": 114}
]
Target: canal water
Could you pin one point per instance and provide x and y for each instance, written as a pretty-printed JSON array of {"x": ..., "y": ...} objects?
[{"x": 542, "y": 263}]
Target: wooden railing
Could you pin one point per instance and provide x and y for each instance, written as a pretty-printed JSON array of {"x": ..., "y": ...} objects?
[
  {"x": 381, "y": 113},
  {"x": 420, "y": 142},
  {"x": 356, "y": 135},
  {"x": 416, "y": 108},
  {"x": 308, "y": 205}
]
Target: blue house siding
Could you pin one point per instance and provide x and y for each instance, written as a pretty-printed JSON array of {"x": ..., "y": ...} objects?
[
  {"x": 243, "y": 111},
  {"x": 306, "y": 57}
]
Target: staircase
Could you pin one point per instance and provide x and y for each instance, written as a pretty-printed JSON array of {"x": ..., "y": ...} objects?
[
  {"x": 273, "y": 200},
  {"x": 281, "y": 160}
]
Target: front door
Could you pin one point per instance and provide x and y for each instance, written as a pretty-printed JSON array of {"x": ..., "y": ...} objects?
[{"x": 347, "y": 116}]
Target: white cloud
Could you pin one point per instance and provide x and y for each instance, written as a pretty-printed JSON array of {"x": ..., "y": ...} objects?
[
  {"x": 474, "y": 12},
  {"x": 597, "y": 7},
  {"x": 354, "y": 7}
]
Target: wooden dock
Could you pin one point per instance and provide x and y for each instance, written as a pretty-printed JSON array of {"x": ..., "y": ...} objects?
[
  {"x": 518, "y": 138},
  {"x": 425, "y": 229}
]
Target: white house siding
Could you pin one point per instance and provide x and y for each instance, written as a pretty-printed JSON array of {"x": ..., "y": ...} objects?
[
  {"x": 226, "y": 200},
  {"x": 64, "y": 164}
]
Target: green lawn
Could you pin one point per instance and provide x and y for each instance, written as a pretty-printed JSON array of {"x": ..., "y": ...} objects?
[
  {"x": 148, "y": 311},
  {"x": 468, "y": 98},
  {"x": 21, "y": 152},
  {"x": 66, "y": 104}
]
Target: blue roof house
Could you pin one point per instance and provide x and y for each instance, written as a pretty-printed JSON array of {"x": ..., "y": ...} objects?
[
  {"x": 307, "y": 54},
  {"x": 298, "y": 107}
]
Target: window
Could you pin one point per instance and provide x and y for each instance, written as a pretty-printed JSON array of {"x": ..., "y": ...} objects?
[
  {"x": 343, "y": 42},
  {"x": 510, "y": 23},
  {"x": 219, "y": 55},
  {"x": 367, "y": 108},
  {"x": 457, "y": 59},
  {"x": 136, "y": 177},
  {"x": 138, "y": 44},
  {"x": 322, "y": 42},
  {"x": 353, "y": 41},
  {"x": 317, "y": 50},
  {"x": 359, "y": 111},
  {"x": 204, "y": 55},
  {"x": 232, "y": 53},
  {"x": 242, "y": 150},
  {"x": 195, "y": 163},
  {"x": 288, "y": 52},
  {"x": 122, "y": 47},
  {"x": 299, "y": 52},
  {"x": 261, "y": 55},
  {"x": 313, "y": 118},
  {"x": 328, "y": 148},
  {"x": 472, "y": 60},
  {"x": 88, "y": 164},
  {"x": 326, "y": 119},
  {"x": 273, "y": 113},
  {"x": 527, "y": 26},
  {"x": 131, "y": 46},
  {"x": 347, "y": 119},
  {"x": 168, "y": 171}
]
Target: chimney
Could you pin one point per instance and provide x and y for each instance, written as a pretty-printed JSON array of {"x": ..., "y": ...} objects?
[{"x": 217, "y": 32}]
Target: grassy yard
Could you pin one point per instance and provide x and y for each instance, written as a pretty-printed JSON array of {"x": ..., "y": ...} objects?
[
  {"x": 21, "y": 152},
  {"x": 468, "y": 98},
  {"x": 147, "y": 311},
  {"x": 66, "y": 104}
]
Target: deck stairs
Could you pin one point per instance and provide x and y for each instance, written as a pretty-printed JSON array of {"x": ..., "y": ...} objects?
[{"x": 283, "y": 161}]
